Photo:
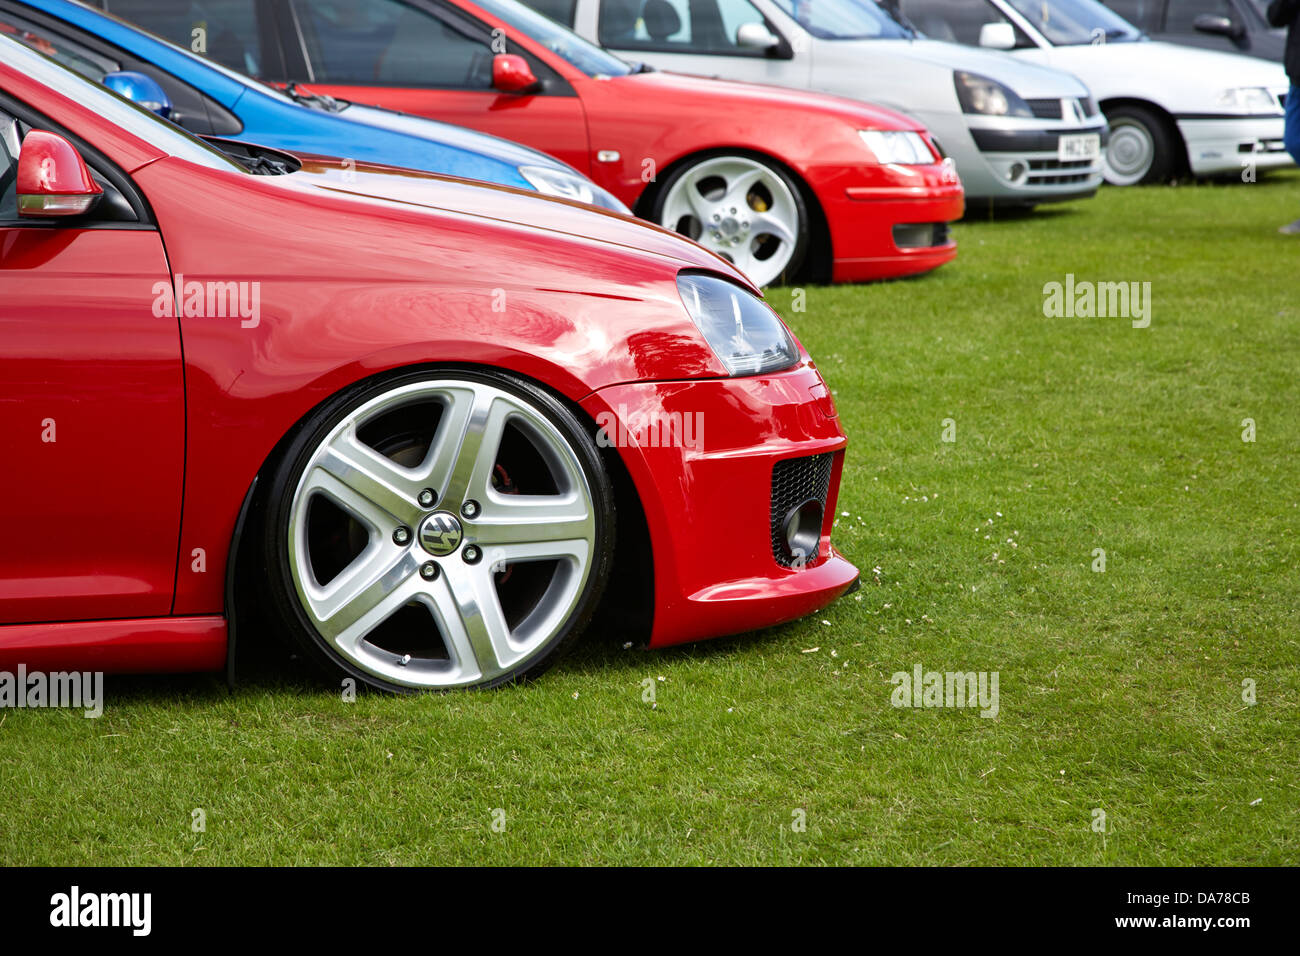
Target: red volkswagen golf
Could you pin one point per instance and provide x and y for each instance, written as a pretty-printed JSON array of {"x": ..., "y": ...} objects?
[
  {"x": 768, "y": 178},
  {"x": 428, "y": 427}
]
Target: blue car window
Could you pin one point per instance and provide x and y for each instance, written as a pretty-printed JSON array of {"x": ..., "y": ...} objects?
[
  {"x": 223, "y": 30},
  {"x": 390, "y": 43}
]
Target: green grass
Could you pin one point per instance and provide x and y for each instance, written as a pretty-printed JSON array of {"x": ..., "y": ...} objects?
[{"x": 1119, "y": 690}]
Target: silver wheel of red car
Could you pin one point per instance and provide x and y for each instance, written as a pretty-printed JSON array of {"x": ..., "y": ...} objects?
[
  {"x": 442, "y": 531},
  {"x": 741, "y": 207}
]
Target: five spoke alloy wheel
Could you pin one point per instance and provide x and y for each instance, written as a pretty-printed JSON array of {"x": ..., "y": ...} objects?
[
  {"x": 742, "y": 208},
  {"x": 441, "y": 530}
]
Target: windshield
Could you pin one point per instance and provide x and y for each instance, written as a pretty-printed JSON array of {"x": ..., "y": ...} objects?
[
  {"x": 844, "y": 19},
  {"x": 587, "y": 57},
  {"x": 136, "y": 120},
  {"x": 1075, "y": 22}
]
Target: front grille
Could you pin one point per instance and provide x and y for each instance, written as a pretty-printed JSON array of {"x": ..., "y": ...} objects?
[
  {"x": 1052, "y": 172},
  {"x": 794, "y": 481},
  {"x": 1045, "y": 109},
  {"x": 920, "y": 235}
]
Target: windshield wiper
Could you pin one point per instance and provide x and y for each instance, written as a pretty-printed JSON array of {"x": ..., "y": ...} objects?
[{"x": 317, "y": 101}]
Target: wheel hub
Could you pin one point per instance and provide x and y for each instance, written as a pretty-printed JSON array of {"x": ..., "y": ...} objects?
[{"x": 441, "y": 533}]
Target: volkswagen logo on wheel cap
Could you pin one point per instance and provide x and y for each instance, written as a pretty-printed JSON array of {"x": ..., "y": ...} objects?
[{"x": 440, "y": 533}]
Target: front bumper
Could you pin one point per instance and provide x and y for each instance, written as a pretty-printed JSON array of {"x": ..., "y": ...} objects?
[
  {"x": 1017, "y": 160},
  {"x": 1230, "y": 144},
  {"x": 897, "y": 225},
  {"x": 708, "y": 501}
]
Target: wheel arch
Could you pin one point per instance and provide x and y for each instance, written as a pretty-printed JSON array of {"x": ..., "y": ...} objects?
[
  {"x": 1182, "y": 164},
  {"x": 817, "y": 262}
]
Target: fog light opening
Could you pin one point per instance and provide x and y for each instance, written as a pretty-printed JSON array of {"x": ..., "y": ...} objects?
[
  {"x": 1016, "y": 172},
  {"x": 802, "y": 531}
]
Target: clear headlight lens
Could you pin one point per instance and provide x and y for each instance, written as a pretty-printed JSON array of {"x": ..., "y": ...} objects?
[
  {"x": 980, "y": 94},
  {"x": 897, "y": 146},
  {"x": 558, "y": 182},
  {"x": 1249, "y": 99},
  {"x": 743, "y": 331}
]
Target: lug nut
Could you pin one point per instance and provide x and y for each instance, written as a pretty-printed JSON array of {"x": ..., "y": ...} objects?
[
  {"x": 427, "y": 498},
  {"x": 717, "y": 217},
  {"x": 470, "y": 508},
  {"x": 472, "y": 554},
  {"x": 402, "y": 536},
  {"x": 429, "y": 571}
]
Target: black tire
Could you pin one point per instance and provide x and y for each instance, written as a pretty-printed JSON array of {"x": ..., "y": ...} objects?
[
  {"x": 279, "y": 586},
  {"x": 802, "y": 228},
  {"x": 1129, "y": 127}
]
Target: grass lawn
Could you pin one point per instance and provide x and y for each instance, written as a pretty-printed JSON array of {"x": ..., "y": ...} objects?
[{"x": 1119, "y": 691}]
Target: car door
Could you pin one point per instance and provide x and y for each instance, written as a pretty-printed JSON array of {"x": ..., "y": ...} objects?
[
  {"x": 92, "y": 405},
  {"x": 434, "y": 60},
  {"x": 697, "y": 36}
]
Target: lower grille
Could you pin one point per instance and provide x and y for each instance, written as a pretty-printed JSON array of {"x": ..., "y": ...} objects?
[
  {"x": 795, "y": 482},
  {"x": 1045, "y": 172},
  {"x": 920, "y": 235}
]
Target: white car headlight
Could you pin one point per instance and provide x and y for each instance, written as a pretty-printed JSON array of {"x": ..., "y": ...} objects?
[
  {"x": 558, "y": 182},
  {"x": 743, "y": 331},
  {"x": 1249, "y": 99},
  {"x": 897, "y": 146}
]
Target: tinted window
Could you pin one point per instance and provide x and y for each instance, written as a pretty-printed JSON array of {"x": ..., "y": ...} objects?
[
  {"x": 1182, "y": 13},
  {"x": 386, "y": 42},
  {"x": 686, "y": 26},
  {"x": 844, "y": 19},
  {"x": 1141, "y": 13},
  {"x": 561, "y": 11},
  {"x": 579, "y": 53},
  {"x": 957, "y": 21},
  {"x": 9, "y": 146},
  {"x": 224, "y": 30}
]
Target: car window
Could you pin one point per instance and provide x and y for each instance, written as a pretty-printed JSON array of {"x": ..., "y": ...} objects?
[
  {"x": 684, "y": 26},
  {"x": 10, "y": 141},
  {"x": 389, "y": 43},
  {"x": 223, "y": 30},
  {"x": 1183, "y": 13},
  {"x": 561, "y": 11},
  {"x": 57, "y": 48},
  {"x": 1144, "y": 14},
  {"x": 957, "y": 21},
  {"x": 1075, "y": 22},
  {"x": 564, "y": 43},
  {"x": 844, "y": 19}
]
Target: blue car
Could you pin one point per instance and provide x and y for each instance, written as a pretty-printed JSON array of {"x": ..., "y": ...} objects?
[{"x": 209, "y": 99}]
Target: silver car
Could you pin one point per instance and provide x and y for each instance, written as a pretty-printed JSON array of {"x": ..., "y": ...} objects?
[{"x": 1019, "y": 133}]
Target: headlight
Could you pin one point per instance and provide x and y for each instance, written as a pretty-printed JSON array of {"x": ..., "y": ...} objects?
[
  {"x": 747, "y": 336},
  {"x": 558, "y": 182},
  {"x": 979, "y": 94},
  {"x": 897, "y": 146},
  {"x": 1249, "y": 99}
]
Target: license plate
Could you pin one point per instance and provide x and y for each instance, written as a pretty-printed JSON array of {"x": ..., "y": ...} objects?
[{"x": 1077, "y": 146}]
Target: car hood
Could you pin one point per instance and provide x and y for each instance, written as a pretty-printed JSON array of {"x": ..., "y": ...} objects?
[
  {"x": 1030, "y": 80},
  {"x": 1179, "y": 78},
  {"x": 659, "y": 86},
  {"x": 516, "y": 208}
]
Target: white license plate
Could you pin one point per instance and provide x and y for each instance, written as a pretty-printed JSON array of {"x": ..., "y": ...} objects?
[{"x": 1076, "y": 146}]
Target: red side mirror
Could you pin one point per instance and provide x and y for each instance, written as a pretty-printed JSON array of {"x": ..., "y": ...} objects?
[
  {"x": 512, "y": 74},
  {"x": 52, "y": 177}
]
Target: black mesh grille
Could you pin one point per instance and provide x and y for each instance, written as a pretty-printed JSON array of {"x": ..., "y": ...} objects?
[
  {"x": 1045, "y": 109},
  {"x": 920, "y": 235},
  {"x": 794, "y": 481}
]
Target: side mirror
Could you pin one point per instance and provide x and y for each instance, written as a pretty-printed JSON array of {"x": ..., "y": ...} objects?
[
  {"x": 998, "y": 36},
  {"x": 512, "y": 74},
  {"x": 1218, "y": 26},
  {"x": 755, "y": 36},
  {"x": 140, "y": 89},
  {"x": 52, "y": 177}
]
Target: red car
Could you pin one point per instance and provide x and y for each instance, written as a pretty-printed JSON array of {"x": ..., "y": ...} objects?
[
  {"x": 429, "y": 427},
  {"x": 770, "y": 179}
]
